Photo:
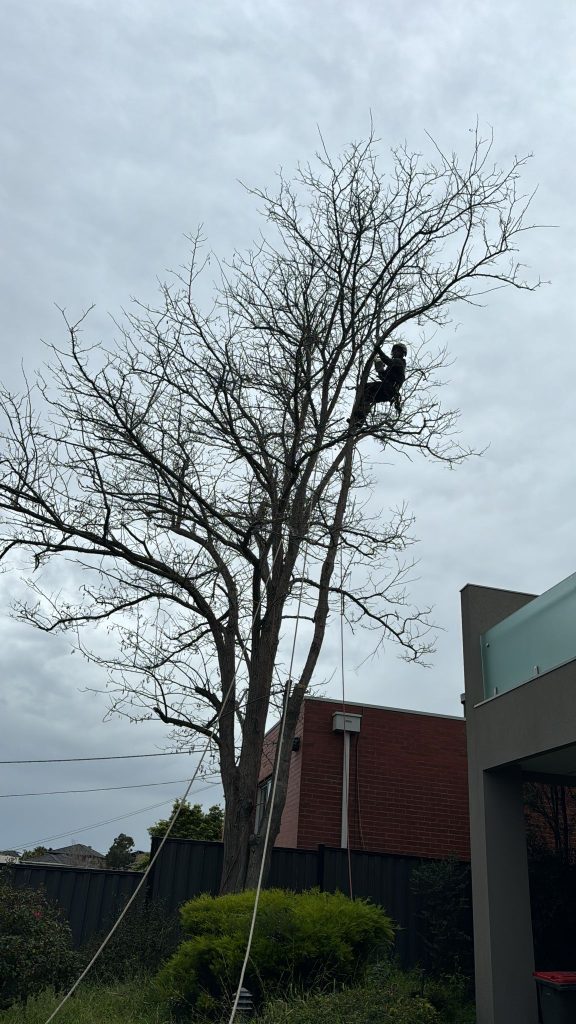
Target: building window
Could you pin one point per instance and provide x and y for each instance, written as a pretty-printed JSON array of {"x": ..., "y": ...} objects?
[{"x": 262, "y": 796}]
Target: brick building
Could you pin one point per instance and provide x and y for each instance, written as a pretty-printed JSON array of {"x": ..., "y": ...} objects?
[{"x": 407, "y": 781}]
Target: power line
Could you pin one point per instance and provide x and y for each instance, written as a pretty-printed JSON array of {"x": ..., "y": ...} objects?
[
  {"x": 100, "y": 789},
  {"x": 32, "y": 844},
  {"x": 97, "y": 824},
  {"x": 110, "y": 757}
]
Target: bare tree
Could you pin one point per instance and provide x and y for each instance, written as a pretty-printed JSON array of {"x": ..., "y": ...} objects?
[{"x": 202, "y": 472}]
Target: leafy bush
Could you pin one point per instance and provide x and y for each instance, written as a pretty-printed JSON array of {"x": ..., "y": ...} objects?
[
  {"x": 192, "y": 823},
  {"x": 36, "y": 943},
  {"x": 450, "y": 995},
  {"x": 301, "y": 940},
  {"x": 145, "y": 938},
  {"x": 444, "y": 889}
]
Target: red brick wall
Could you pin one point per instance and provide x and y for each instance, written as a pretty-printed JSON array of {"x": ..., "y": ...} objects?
[
  {"x": 288, "y": 834},
  {"x": 321, "y": 777},
  {"x": 408, "y": 782}
]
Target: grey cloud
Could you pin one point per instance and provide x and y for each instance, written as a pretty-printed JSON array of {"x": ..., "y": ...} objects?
[{"x": 126, "y": 124}]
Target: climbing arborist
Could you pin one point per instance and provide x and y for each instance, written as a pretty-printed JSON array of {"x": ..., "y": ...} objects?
[{"x": 392, "y": 372}]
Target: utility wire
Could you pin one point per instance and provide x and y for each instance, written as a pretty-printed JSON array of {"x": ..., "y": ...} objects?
[
  {"x": 30, "y": 845},
  {"x": 100, "y": 789},
  {"x": 109, "y": 757},
  {"x": 121, "y": 757}
]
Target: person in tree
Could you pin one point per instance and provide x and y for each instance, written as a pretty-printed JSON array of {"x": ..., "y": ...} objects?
[{"x": 392, "y": 373}]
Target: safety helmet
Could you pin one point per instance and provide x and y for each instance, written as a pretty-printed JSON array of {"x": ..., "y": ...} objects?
[{"x": 399, "y": 346}]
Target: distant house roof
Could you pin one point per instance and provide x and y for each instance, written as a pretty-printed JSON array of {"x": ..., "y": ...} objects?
[
  {"x": 10, "y": 853},
  {"x": 44, "y": 858},
  {"x": 79, "y": 850}
]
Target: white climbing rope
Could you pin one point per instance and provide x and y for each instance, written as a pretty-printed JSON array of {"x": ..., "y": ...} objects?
[
  {"x": 172, "y": 821},
  {"x": 346, "y": 780},
  {"x": 276, "y": 773}
]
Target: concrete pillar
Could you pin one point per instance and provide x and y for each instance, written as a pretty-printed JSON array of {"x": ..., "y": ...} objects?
[
  {"x": 503, "y": 944},
  {"x": 504, "y": 953}
]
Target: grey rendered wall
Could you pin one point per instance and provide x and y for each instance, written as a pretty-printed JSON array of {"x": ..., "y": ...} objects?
[{"x": 503, "y": 946}]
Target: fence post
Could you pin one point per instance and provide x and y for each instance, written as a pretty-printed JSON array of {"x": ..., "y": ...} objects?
[
  {"x": 320, "y": 863},
  {"x": 151, "y": 877}
]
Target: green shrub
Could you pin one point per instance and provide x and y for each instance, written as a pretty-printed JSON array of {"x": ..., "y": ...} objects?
[
  {"x": 301, "y": 941},
  {"x": 35, "y": 942},
  {"x": 444, "y": 889},
  {"x": 365, "y": 1005},
  {"x": 450, "y": 995}
]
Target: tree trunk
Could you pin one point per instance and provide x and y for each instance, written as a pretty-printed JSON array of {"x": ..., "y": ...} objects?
[
  {"x": 295, "y": 699},
  {"x": 257, "y": 851},
  {"x": 240, "y": 784},
  {"x": 237, "y": 835}
]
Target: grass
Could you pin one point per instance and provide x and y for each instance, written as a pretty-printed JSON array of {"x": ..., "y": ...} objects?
[
  {"x": 389, "y": 996},
  {"x": 123, "y": 1003}
]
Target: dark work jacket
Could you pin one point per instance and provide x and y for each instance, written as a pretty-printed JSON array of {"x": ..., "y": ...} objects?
[{"x": 395, "y": 373}]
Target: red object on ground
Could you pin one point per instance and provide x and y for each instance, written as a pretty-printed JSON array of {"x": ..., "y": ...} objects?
[{"x": 559, "y": 979}]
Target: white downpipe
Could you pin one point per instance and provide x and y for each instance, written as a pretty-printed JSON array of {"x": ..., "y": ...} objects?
[{"x": 345, "y": 790}]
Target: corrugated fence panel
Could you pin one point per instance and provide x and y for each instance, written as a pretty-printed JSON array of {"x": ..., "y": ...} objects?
[
  {"x": 388, "y": 883},
  {"x": 185, "y": 868},
  {"x": 384, "y": 879},
  {"x": 90, "y": 898},
  {"x": 293, "y": 869}
]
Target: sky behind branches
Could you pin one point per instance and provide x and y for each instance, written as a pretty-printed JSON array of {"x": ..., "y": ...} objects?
[{"x": 125, "y": 125}]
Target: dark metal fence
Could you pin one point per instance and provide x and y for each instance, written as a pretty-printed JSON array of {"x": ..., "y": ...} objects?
[
  {"x": 91, "y": 898},
  {"x": 186, "y": 868}
]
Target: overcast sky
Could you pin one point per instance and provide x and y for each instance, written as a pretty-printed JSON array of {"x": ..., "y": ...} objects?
[{"x": 126, "y": 124}]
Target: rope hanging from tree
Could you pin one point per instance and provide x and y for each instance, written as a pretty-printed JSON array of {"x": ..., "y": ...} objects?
[{"x": 171, "y": 824}]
